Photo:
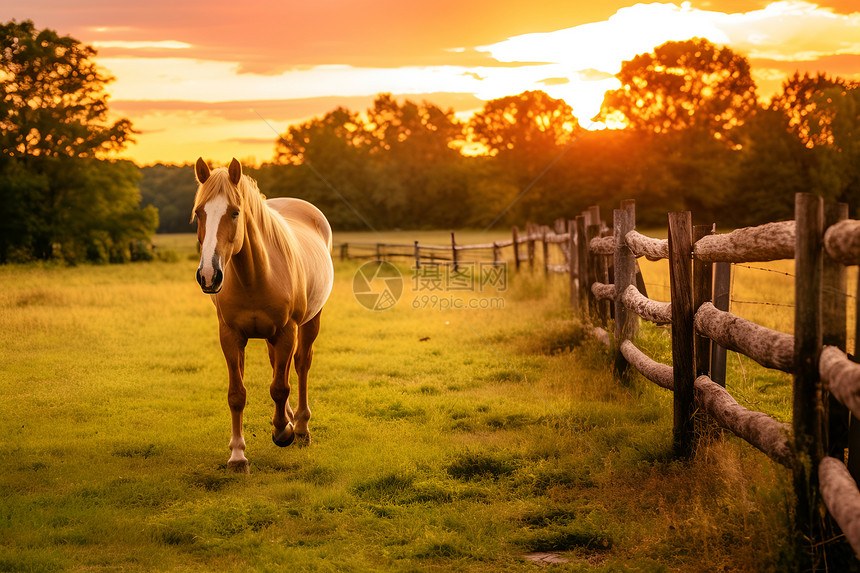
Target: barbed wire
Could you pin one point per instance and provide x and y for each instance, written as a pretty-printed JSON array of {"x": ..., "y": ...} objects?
[
  {"x": 734, "y": 300},
  {"x": 763, "y": 269}
]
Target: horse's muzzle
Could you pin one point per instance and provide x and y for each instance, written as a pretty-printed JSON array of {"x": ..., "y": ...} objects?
[{"x": 215, "y": 286}]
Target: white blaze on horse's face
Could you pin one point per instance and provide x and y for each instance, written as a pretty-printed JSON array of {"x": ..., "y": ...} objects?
[
  {"x": 211, "y": 271},
  {"x": 219, "y": 231}
]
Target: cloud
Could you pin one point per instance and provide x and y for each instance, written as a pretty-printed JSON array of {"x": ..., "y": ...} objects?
[
  {"x": 788, "y": 31},
  {"x": 132, "y": 45},
  {"x": 792, "y": 30}
]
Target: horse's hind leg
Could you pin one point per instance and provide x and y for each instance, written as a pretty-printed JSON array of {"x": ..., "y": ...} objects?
[
  {"x": 304, "y": 354},
  {"x": 281, "y": 348}
]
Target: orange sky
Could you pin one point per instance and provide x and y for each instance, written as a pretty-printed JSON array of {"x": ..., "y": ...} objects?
[{"x": 195, "y": 77}]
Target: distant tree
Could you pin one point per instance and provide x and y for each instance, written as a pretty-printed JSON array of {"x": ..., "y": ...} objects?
[
  {"x": 395, "y": 164},
  {"x": 528, "y": 123},
  {"x": 526, "y": 133},
  {"x": 806, "y": 140},
  {"x": 170, "y": 189},
  {"x": 680, "y": 86},
  {"x": 53, "y": 134},
  {"x": 809, "y": 104}
]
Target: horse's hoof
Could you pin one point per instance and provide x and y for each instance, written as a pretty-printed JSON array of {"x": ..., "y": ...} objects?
[
  {"x": 285, "y": 437},
  {"x": 239, "y": 467},
  {"x": 303, "y": 440}
]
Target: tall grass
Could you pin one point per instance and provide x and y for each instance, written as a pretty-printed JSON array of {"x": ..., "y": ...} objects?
[{"x": 453, "y": 439}]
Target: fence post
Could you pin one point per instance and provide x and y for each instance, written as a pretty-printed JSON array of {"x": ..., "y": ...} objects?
[
  {"x": 582, "y": 264},
  {"x": 344, "y": 251},
  {"x": 834, "y": 308},
  {"x": 417, "y": 256},
  {"x": 683, "y": 350},
  {"x": 807, "y": 409},
  {"x": 530, "y": 245},
  {"x": 453, "y": 251},
  {"x": 854, "y": 424},
  {"x": 572, "y": 267},
  {"x": 722, "y": 295},
  {"x": 702, "y": 293},
  {"x": 592, "y": 232},
  {"x": 515, "y": 236},
  {"x": 544, "y": 231},
  {"x": 626, "y": 323},
  {"x": 496, "y": 254}
]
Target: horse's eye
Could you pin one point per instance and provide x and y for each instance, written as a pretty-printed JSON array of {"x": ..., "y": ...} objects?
[{"x": 235, "y": 214}]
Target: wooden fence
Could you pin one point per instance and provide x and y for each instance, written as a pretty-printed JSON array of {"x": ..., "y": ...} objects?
[
  {"x": 826, "y": 382},
  {"x": 605, "y": 285}
]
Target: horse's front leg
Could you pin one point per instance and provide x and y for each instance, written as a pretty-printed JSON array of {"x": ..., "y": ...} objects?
[
  {"x": 233, "y": 345},
  {"x": 282, "y": 346}
]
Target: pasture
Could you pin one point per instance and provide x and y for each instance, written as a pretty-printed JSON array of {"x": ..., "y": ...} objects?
[{"x": 456, "y": 439}]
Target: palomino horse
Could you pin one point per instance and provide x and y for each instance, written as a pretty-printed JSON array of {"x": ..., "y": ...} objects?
[{"x": 267, "y": 265}]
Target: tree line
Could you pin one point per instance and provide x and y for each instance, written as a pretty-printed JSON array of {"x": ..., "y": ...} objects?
[{"x": 696, "y": 136}]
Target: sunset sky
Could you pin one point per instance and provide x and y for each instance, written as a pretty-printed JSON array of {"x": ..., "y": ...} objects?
[{"x": 196, "y": 77}]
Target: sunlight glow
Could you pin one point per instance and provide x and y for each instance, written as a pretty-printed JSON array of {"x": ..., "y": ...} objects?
[{"x": 577, "y": 64}]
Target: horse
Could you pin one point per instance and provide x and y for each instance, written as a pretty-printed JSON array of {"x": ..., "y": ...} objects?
[{"x": 267, "y": 266}]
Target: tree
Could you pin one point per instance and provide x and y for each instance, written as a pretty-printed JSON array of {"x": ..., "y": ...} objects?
[
  {"x": 54, "y": 135},
  {"x": 682, "y": 86},
  {"x": 528, "y": 123},
  {"x": 526, "y": 134},
  {"x": 806, "y": 140},
  {"x": 53, "y": 97}
]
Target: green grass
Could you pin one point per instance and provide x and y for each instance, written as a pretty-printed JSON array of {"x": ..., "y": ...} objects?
[{"x": 443, "y": 440}]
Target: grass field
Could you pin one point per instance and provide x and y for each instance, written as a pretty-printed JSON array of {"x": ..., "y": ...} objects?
[{"x": 457, "y": 440}]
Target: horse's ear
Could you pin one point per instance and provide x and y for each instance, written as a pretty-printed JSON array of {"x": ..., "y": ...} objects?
[
  {"x": 235, "y": 171},
  {"x": 201, "y": 170}
]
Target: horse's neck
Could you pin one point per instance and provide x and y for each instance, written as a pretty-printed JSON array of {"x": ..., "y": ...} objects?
[{"x": 253, "y": 263}]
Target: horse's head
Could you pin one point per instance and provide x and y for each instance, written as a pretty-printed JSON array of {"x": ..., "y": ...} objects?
[{"x": 220, "y": 225}]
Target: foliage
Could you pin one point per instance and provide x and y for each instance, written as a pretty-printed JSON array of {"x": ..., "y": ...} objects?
[
  {"x": 66, "y": 199},
  {"x": 698, "y": 141},
  {"x": 682, "y": 86}
]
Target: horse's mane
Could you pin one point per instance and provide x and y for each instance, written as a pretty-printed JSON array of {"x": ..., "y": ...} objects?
[{"x": 248, "y": 195}]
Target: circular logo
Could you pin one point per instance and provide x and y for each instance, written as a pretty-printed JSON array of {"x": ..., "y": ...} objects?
[{"x": 377, "y": 285}]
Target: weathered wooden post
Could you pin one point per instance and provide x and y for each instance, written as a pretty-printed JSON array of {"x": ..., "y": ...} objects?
[
  {"x": 530, "y": 246},
  {"x": 722, "y": 296},
  {"x": 344, "y": 251},
  {"x": 626, "y": 322},
  {"x": 834, "y": 310},
  {"x": 572, "y": 266},
  {"x": 496, "y": 254},
  {"x": 683, "y": 348},
  {"x": 453, "y": 251},
  {"x": 582, "y": 265},
  {"x": 544, "y": 232},
  {"x": 854, "y": 424},
  {"x": 702, "y": 293},
  {"x": 810, "y": 431},
  {"x": 379, "y": 251},
  {"x": 592, "y": 216},
  {"x": 515, "y": 237},
  {"x": 592, "y": 232},
  {"x": 417, "y": 256}
]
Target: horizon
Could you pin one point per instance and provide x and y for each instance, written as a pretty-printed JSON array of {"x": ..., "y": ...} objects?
[{"x": 214, "y": 83}]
